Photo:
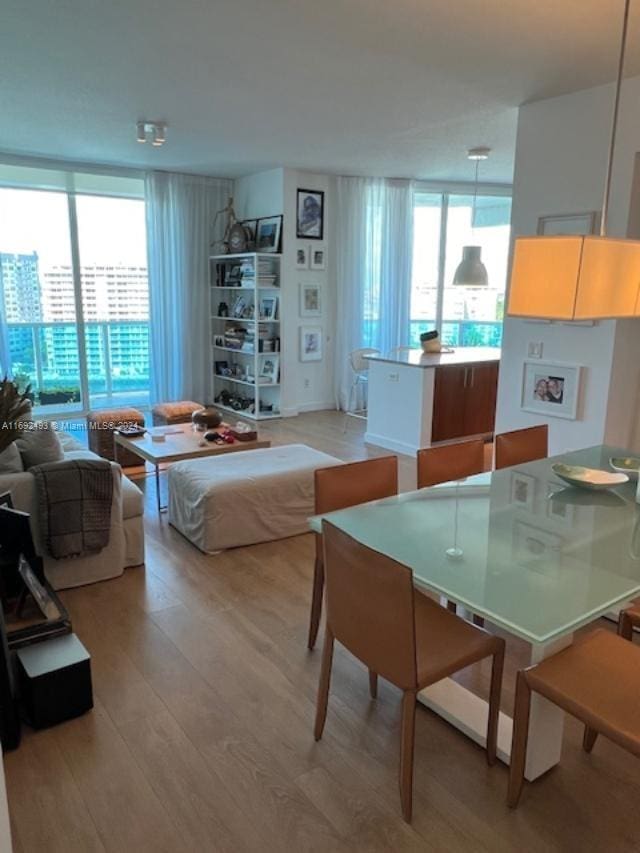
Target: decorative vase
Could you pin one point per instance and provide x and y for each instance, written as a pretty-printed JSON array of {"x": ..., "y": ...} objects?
[{"x": 207, "y": 418}]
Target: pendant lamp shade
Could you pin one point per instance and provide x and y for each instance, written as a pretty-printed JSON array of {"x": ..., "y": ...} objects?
[
  {"x": 575, "y": 278},
  {"x": 471, "y": 271}
]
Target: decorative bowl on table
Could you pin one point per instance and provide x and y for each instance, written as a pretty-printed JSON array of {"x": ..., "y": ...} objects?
[
  {"x": 132, "y": 431},
  {"x": 207, "y": 418},
  {"x": 629, "y": 465},
  {"x": 588, "y": 478}
]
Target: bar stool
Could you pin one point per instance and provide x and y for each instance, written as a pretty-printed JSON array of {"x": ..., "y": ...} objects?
[{"x": 360, "y": 369}]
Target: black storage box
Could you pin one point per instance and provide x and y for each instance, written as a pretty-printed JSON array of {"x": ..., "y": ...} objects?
[{"x": 54, "y": 681}]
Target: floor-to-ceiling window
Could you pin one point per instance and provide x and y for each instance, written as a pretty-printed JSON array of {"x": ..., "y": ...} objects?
[
  {"x": 74, "y": 296},
  {"x": 464, "y": 316}
]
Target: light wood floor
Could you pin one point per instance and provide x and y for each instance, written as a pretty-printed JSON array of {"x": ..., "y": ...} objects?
[{"x": 201, "y": 737}]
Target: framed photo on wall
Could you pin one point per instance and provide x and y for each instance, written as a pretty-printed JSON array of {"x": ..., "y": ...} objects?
[
  {"x": 302, "y": 258},
  {"x": 310, "y": 214},
  {"x": 317, "y": 258},
  {"x": 551, "y": 389},
  {"x": 310, "y": 343},
  {"x": 569, "y": 224},
  {"x": 310, "y": 300}
]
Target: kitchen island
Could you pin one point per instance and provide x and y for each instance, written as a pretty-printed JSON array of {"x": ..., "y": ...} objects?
[{"x": 417, "y": 399}]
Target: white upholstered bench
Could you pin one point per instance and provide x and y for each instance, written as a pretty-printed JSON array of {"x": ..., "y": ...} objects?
[{"x": 235, "y": 499}]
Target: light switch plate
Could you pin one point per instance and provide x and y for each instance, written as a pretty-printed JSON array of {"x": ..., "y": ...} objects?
[{"x": 535, "y": 349}]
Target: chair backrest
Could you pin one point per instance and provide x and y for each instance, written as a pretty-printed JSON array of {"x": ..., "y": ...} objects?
[
  {"x": 450, "y": 462},
  {"x": 522, "y": 445},
  {"x": 359, "y": 363},
  {"x": 370, "y": 606},
  {"x": 355, "y": 483}
]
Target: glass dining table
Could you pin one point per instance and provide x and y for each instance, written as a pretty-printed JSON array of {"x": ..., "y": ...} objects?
[{"x": 533, "y": 556}]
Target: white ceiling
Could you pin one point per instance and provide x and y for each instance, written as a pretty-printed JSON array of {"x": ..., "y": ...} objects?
[{"x": 388, "y": 87}]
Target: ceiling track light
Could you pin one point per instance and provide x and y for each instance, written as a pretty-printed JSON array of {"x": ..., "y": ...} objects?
[{"x": 154, "y": 132}]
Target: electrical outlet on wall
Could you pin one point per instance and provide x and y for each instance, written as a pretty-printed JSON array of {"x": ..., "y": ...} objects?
[
  {"x": 307, "y": 383},
  {"x": 535, "y": 349}
]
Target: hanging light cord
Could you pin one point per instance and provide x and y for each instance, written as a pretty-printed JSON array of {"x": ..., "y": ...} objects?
[
  {"x": 475, "y": 196},
  {"x": 614, "y": 121}
]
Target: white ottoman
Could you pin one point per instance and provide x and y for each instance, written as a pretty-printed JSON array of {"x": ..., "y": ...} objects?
[{"x": 242, "y": 498}]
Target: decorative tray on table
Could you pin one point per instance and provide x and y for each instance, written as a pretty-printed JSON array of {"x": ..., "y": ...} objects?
[{"x": 588, "y": 478}]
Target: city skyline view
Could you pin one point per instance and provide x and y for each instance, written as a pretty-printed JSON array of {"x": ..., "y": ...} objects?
[{"x": 41, "y": 313}]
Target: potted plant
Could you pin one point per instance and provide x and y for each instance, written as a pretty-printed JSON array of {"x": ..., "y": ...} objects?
[{"x": 14, "y": 407}]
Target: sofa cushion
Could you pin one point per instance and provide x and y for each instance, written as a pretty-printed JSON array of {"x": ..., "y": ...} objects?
[
  {"x": 132, "y": 499},
  {"x": 39, "y": 445},
  {"x": 10, "y": 460}
]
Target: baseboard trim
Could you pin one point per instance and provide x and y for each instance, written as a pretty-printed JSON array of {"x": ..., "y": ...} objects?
[{"x": 390, "y": 444}]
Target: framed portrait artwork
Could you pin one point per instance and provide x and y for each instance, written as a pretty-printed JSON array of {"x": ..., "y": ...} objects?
[
  {"x": 551, "y": 388},
  {"x": 317, "y": 258},
  {"x": 310, "y": 300},
  {"x": 310, "y": 214},
  {"x": 268, "y": 234},
  {"x": 302, "y": 258},
  {"x": 310, "y": 343}
]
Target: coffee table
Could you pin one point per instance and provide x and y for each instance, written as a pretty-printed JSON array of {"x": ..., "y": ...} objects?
[{"x": 181, "y": 442}]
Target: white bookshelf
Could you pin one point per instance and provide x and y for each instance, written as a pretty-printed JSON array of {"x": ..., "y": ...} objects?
[{"x": 246, "y": 342}]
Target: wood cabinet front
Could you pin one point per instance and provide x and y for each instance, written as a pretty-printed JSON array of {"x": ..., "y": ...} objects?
[{"x": 464, "y": 400}]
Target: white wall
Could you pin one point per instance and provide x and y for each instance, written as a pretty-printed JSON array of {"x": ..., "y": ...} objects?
[
  {"x": 560, "y": 165},
  {"x": 306, "y": 386}
]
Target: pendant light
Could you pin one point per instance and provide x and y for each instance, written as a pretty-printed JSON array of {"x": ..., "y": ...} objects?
[
  {"x": 471, "y": 272},
  {"x": 579, "y": 277}
]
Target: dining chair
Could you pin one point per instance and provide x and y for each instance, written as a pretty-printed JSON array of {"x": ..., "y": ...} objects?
[
  {"x": 360, "y": 377},
  {"x": 339, "y": 487},
  {"x": 522, "y": 445},
  {"x": 596, "y": 680},
  {"x": 447, "y": 462},
  {"x": 628, "y": 620},
  {"x": 374, "y": 610}
]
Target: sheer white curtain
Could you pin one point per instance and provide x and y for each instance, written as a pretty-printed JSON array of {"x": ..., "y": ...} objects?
[
  {"x": 374, "y": 219},
  {"x": 180, "y": 211}
]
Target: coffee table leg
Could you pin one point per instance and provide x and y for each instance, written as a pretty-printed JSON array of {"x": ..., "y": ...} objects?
[{"x": 157, "y": 469}]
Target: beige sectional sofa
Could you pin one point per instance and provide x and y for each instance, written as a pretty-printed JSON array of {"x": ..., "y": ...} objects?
[{"x": 126, "y": 542}]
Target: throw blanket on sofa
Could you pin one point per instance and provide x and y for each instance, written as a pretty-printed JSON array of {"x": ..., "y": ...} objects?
[{"x": 74, "y": 505}]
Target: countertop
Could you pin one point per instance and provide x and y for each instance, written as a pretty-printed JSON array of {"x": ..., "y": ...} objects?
[{"x": 461, "y": 355}]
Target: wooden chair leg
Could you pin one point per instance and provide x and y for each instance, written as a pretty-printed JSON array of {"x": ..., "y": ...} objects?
[
  {"x": 373, "y": 684},
  {"x": 452, "y": 606},
  {"x": 323, "y": 687},
  {"x": 478, "y": 620},
  {"x": 589, "y": 739},
  {"x": 625, "y": 626},
  {"x": 407, "y": 738},
  {"x": 494, "y": 704},
  {"x": 316, "y": 602},
  {"x": 519, "y": 741}
]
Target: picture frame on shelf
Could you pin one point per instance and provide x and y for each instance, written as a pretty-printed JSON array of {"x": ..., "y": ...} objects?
[
  {"x": 317, "y": 258},
  {"x": 310, "y": 214},
  {"x": 268, "y": 307},
  {"x": 302, "y": 258},
  {"x": 310, "y": 300},
  {"x": 269, "y": 369},
  {"x": 551, "y": 389},
  {"x": 268, "y": 232},
  {"x": 310, "y": 343},
  {"x": 565, "y": 224},
  {"x": 239, "y": 307}
]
